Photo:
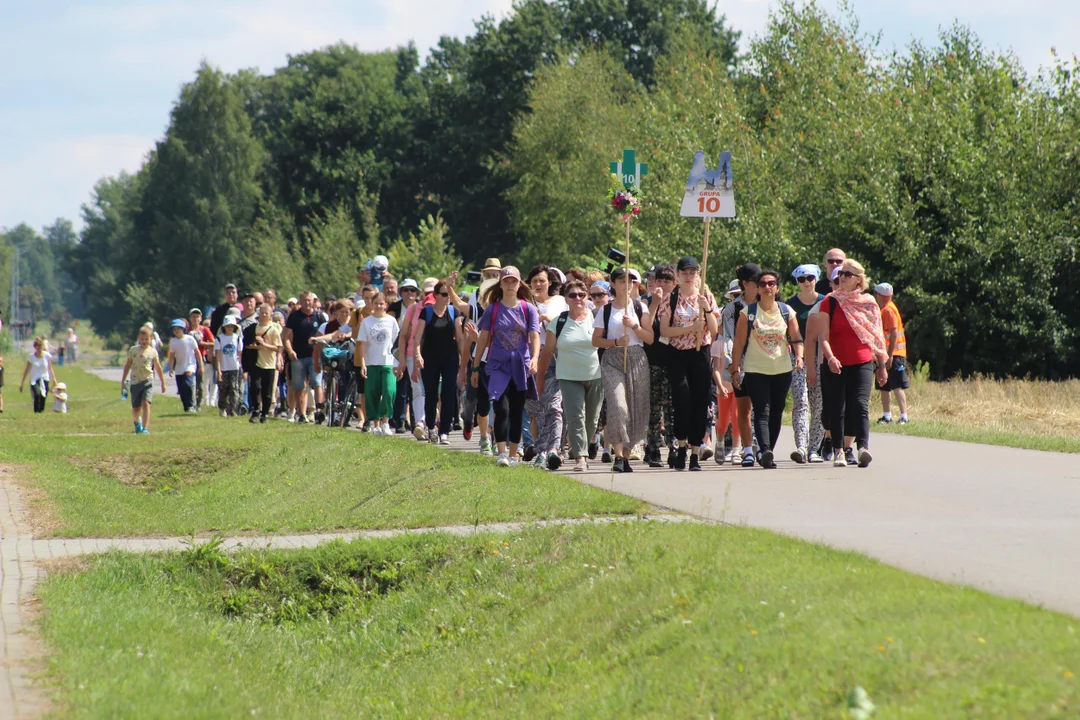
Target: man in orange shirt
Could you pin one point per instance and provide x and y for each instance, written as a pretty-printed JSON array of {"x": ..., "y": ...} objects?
[{"x": 896, "y": 345}]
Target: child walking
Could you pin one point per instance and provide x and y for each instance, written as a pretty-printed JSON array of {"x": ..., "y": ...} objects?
[
  {"x": 143, "y": 364},
  {"x": 377, "y": 335},
  {"x": 228, "y": 367},
  {"x": 39, "y": 368}
]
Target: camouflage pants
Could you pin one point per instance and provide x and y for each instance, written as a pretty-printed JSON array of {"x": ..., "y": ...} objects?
[{"x": 661, "y": 411}]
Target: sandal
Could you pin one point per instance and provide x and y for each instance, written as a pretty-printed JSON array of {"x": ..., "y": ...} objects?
[{"x": 582, "y": 465}]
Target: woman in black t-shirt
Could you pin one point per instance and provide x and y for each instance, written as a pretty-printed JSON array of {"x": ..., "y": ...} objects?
[{"x": 437, "y": 363}]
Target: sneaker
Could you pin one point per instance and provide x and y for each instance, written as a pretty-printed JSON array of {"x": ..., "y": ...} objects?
[
  {"x": 223, "y": 413},
  {"x": 865, "y": 458},
  {"x": 290, "y": 415},
  {"x": 672, "y": 455},
  {"x": 606, "y": 457},
  {"x": 142, "y": 431},
  {"x": 300, "y": 420},
  {"x": 320, "y": 416},
  {"x": 582, "y": 465},
  {"x": 386, "y": 431},
  {"x": 695, "y": 466},
  {"x": 456, "y": 425},
  {"x": 367, "y": 427},
  {"x": 706, "y": 453},
  {"x": 636, "y": 454},
  {"x": 838, "y": 460},
  {"x": 262, "y": 419},
  {"x": 311, "y": 418},
  {"x": 485, "y": 446},
  {"x": 528, "y": 453},
  {"x": 253, "y": 418},
  {"x": 619, "y": 465},
  {"x": 827, "y": 451},
  {"x": 433, "y": 436},
  {"x": 444, "y": 439},
  {"x": 242, "y": 410},
  {"x": 515, "y": 461},
  {"x": 503, "y": 460},
  {"x": 138, "y": 427},
  {"x": 653, "y": 459},
  {"x": 884, "y": 421},
  {"x": 540, "y": 460},
  {"x": 766, "y": 460},
  {"x": 554, "y": 462},
  {"x": 815, "y": 458},
  {"x": 467, "y": 434},
  {"x": 680, "y": 458},
  {"x": 748, "y": 459},
  {"x": 849, "y": 456},
  {"x": 902, "y": 421},
  {"x": 593, "y": 449},
  {"x": 419, "y": 432},
  {"x": 799, "y": 455},
  {"x": 401, "y": 430}
]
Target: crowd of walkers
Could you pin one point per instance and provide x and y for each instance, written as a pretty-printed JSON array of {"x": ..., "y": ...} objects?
[{"x": 559, "y": 366}]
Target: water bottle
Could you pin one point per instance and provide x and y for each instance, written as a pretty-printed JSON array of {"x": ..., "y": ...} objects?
[{"x": 124, "y": 392}]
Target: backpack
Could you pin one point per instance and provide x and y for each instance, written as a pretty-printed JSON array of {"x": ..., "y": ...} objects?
[
  {"x": 561, "y": 323},
  {"x": 429, "y": 316},
  {"x": 638, "y": 308},
  {"x": 751, "y": 316}
]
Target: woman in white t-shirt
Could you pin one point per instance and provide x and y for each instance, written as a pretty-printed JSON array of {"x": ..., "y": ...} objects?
[
  {"x": 625, "y": 371},
  {"x": 376, "y": 336},
  {"x": 39, "y": 368},
  {"x": 547, "y": 411}
]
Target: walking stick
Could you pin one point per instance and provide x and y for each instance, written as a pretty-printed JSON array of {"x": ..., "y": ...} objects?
[{"x": 626, "y": 282}]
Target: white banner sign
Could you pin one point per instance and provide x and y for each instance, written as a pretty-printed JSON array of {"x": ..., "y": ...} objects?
[{"x": 709, "y": 193}]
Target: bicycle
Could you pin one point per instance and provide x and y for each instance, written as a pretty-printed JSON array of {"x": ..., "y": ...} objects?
[{"x": 338, "y": 371}]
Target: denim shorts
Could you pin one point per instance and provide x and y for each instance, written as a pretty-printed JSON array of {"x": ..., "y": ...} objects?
[{"x": 303, "y": 372}]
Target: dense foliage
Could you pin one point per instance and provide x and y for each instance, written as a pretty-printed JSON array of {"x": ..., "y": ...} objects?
[{"x": 946, "y": 169}]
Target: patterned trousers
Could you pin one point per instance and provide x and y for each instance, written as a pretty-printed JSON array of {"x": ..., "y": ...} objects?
[
  {"x": 661, "y": 410},
  {"x": 548, "y": 414},
  {"x": 806, "y": 418}
]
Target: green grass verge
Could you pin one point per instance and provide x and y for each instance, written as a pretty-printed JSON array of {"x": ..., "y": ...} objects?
[
  {"x": 941, "y": 430},
  {"x": 637, "y": 620},
  {"x": 203, "y": 473}
]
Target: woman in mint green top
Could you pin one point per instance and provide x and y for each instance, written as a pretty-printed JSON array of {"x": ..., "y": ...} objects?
[{"x": 578, "y": 370}]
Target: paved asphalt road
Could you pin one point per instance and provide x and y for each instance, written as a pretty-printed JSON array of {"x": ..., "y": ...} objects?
[{"x": 1000, "y": 519}]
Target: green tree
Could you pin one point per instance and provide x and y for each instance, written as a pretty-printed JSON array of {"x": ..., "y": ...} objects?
[
  {"x": 62, "y": 240},
  {"x": 334, "y": 251},
  {"x": 425, "y": 253}
]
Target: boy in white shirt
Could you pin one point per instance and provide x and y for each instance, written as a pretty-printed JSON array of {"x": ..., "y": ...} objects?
[
  {"x": 184, "y": 362},
  {"x": 228, "y": 367}
]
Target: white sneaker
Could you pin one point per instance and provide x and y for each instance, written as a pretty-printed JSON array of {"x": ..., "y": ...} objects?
[
  {"x": 420, "y": 432},
  {"x": 515, "y": 461},
  {"x": 503, "y": 460},
  {"x": 637, "y": 454},
  {"x": 865, "y": 458},
  {"x": 444, "y": 439},
  {"x": 815, "y": 458},
  {"x": 798, "y": 455},
  {"x": 385, "y": 429},
  {"x": 839, "y": 461},
  {"x": 290, "y": 416}
]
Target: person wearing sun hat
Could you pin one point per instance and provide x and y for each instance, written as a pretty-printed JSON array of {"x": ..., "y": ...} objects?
[
  {"x": 492, "y": 267},
  {"x": 806, "y": 419}
]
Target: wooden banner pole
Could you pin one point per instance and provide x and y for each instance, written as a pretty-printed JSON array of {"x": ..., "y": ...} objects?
[
  {"x": 626, "y": 282},
  {"x": 704, "y": 276}
]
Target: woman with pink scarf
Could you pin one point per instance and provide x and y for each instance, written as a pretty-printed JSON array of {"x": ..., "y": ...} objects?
[{"x": 852, "y": 345}]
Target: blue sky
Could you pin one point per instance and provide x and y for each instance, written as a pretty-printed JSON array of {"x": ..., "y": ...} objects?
[{"x": 86, "y": 88}]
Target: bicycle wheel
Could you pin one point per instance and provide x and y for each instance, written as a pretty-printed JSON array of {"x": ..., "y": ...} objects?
[
  {"x": 348, "y": 400},
  {"x": 329, "y": 393}
]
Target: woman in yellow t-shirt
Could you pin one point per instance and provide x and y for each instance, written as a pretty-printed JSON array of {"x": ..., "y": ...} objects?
[
  {"x": 762, "y": 335},
  {"x": 264, "y": 376}
]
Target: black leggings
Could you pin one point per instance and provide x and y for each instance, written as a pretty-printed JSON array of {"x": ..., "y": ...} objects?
[
  {"x": 477, "y": 401},
  {"x": 39, "y": 399},
  {"x": 509, "y": 414},
  {"x": 849, "y": 403},
  {"x": 444, "y": 369},
  {"x": 768, "y": 395},
  {"x": 690, "y": 374},
  {"x": 261, "y": 382}
]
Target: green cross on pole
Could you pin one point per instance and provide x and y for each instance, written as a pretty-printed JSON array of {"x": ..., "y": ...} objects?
[{"x": 629, "y": 170}]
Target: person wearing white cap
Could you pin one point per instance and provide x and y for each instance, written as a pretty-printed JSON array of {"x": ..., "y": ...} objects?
[
  {"x": 228, "y": 366},
  {"x": 805, "y": 415},
  {"x": 184, "y": 361},
  {"x": 895, "y": 340}
]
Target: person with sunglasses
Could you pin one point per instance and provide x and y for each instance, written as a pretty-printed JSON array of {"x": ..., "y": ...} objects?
[
  {"x": 547, "y": 411},
  {"x": 578, "y": 371},
  {"x": 816, "y": 360},
  {"x": 510, "y": 327},
  {"x": 834, "y": 258},
  {"x": 599, "y": 296},
  {"x": 436, "y": 360},
  {"x": 625, "y": 324},
  {"x": 764, "y": 331},
  {"x": 661, "y": 282},
  {"x": 805, "y": 411},
  {"x": 688, "y": 320},
  {"x": 409, "y": 293},
  {"x": 849, "y": 324}
]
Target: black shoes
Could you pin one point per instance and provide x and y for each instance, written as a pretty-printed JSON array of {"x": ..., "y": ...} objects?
[
  {"x": 606, "y": 457},
  {"x": 528, "y": 454},
  {"x": 254, "y": 418},
  {"x": 653, "y": 459},
  {"x": 671, "y": 456},
  {"x": 619, "y": 465},
  {"x": 680, "y": 458},
  {"x": 554, "y": 462},
  {"x": 695, "y": 466},
  {"x": 262, "y": 419},
  {"x": 849, "y": 455},
  {"x": 767, "y": 460}
]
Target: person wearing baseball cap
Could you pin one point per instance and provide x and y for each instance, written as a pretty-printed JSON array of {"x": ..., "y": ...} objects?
[
  {"x": 689, "y": 323},
  {"x": 896, "y": 342},
  {"x": 806, "y": 420}
]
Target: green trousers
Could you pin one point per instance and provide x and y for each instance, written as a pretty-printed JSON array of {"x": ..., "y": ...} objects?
[{"x": 380, "y": 389}]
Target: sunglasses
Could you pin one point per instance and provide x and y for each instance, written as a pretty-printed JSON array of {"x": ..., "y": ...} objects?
[
  {"x": 834, "y": 261},
  {"x": 444, "y": 294},
  {"x": 767, "y": 283},
  {"x": 847, "y": 274},
  {"x": 806, "y": 278},
  {"x": 597, "y": 296},
  {"x": 409, "y": 290},
  {"x": 577, "y": 296}
]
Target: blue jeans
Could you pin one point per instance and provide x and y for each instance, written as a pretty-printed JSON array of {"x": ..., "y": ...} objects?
[{"x": 185, "y": 386}]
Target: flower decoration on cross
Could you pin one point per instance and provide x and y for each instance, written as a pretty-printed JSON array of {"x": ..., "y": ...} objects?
[{"x": 624, "y": 196}]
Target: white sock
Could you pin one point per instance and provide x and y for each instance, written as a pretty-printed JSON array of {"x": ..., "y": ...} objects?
[
  {"x": 903, "y": 416},
  {"x": 887, "y": 415}
]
